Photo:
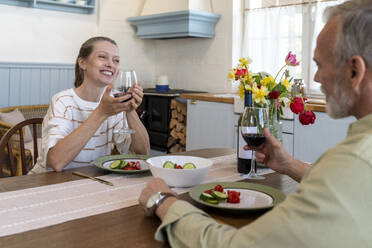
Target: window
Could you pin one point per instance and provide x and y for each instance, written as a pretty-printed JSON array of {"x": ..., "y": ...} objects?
[{"x": 274, "y": 27}]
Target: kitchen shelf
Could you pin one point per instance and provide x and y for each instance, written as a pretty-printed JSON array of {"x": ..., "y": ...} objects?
[{"x": 89, "y": 8}]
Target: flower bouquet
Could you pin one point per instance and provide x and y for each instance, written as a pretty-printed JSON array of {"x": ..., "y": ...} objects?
[{"x": 272, "y": 92}]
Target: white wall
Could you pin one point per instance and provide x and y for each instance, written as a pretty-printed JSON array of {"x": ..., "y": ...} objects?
[
  {"x": 134, "y": 53},
  {"x": 199, "y": 63},
  {"x": 34, "y": 35},
  {"x": 163, "y": 6}
]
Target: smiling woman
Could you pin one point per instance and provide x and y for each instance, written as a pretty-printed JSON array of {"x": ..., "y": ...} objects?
[{"x": 81, "y": 122}]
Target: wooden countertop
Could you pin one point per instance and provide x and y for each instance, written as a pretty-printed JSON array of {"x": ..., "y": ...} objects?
[
  {"x": 317, "y": 107},
  {"x": 224, "y": 98},
  {"x": 209, "y": 97}
]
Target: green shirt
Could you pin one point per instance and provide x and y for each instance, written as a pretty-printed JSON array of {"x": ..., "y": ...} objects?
[{"x": 332, "y": 207}]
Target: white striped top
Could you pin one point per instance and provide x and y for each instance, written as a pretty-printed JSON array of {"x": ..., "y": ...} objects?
[{"x": 66, "y": 112}]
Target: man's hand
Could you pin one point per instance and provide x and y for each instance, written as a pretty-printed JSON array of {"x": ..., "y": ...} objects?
[
  {"x": 273, "y": 154},
  {"x": 157, "y": 185}
]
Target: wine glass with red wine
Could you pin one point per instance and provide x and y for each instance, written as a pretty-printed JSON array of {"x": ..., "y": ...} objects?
[
  {"x": 253, "y": 122},
  {"x": 125, "y": 79}
]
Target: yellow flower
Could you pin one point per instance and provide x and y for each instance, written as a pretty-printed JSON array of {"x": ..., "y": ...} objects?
[
  {"x": 259, "y": 95},
  {"x": 287, "y": 84},
  {"x": 231, "y": 75},
  {"x": 247, "y": 87},
  {"x": 268, "y": 82},
  {"x": 241, "y": 91},
  {"x": 245, "y": 61}
]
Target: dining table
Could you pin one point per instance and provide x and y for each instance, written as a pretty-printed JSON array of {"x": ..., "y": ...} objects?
[{"x": 124, "y": 227}]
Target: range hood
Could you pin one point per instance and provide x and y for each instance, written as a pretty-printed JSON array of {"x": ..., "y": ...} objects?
[{"x": 164, "y": 19}]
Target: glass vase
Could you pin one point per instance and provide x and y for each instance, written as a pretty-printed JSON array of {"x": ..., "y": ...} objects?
[{"x": 275, "y": 125}]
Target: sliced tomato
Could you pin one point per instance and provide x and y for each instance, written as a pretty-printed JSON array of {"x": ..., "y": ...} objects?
[
  {"x": 179, "y": 167},
  {"x": 233, "y": 196},
  {"x": 209, "y": 191},
  {"x": 218, "y": 187}
]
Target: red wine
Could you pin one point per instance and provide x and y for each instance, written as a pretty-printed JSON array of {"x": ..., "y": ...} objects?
[
  {"x": 120, "y": 94},
  {"x": 254, "y": 140}
]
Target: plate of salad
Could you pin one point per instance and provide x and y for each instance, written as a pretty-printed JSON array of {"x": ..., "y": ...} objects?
[
  {"x": 236, "y": 196},
  {"x": 125, "y": 163}
]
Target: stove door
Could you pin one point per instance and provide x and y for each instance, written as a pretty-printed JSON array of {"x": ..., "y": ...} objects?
[{"x": 159, "y": 113}]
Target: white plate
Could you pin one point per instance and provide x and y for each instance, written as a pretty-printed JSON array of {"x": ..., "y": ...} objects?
[
  {"x": 105, "y": 161},
  {"x": 253, "y": 197},
  {"x": 250, "y": 199}
]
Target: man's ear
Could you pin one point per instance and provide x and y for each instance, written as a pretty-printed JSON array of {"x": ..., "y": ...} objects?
[
  {"x": 82, "y": 63},
  {"x": 356, "y": 71}
]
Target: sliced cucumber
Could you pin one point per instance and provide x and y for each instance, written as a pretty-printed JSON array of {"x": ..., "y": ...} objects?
[
  {"x": 169, "y": 165},
  {"x": 115, "y": 164},
  {"x": 189, "y": 166},
  {"x": 212, "y": 201},
  {"x": 219, "y": 195},
  {"x": 123, "y": 164},
  {"x": 206, "y": 196}
]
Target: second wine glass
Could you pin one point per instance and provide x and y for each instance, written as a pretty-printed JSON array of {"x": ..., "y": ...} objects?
[
  {"x": 123, "y": 82},
  {"x": 253, "y": 122}
]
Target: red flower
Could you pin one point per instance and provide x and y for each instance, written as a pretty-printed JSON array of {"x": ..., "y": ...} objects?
[
  {"x": 297, "y": 106},
  {"x": 240, "y": 73},
  {"x": 274, "y": 94},
  {"x": 307, "y": 117}
]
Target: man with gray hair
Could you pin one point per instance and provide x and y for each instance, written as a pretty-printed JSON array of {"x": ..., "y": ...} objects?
[{"x": 333, "y": 204}]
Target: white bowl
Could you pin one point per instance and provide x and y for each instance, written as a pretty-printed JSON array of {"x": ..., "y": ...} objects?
[{"x": 180, "y": 177}]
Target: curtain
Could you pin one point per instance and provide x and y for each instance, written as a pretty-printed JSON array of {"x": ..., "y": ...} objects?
[{"x": 270, "y": 33}]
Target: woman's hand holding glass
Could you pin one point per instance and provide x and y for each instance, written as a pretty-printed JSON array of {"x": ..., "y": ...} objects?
[
  {"x": 126, "y": 88},
  {"x": 137, "y": 96}
]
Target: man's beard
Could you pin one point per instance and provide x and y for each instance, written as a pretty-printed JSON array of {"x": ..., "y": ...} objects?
[{"x": 339, "y": 102}]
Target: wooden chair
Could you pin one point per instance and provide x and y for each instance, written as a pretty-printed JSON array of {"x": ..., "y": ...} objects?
[
  {"x": 28, "y": 111},
  {"x": 10, "y": 150}
]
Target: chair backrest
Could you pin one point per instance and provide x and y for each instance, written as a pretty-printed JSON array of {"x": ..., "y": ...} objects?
[
  {"x": 10, "y": 150},
  {"x": 28, "y": 112}
]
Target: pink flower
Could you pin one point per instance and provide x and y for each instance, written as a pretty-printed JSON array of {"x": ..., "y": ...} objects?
[
  {"x": 307, "y": 117},
  {"x": 291, "y": 59}
]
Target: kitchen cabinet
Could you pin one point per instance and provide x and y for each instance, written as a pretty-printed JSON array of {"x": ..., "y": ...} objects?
[
  {"x": 312, "y": 141},
  {"x": 61, "y": 5},
  {"x": 214, "y": 125},
  {"x": 210, "y": 124},
  {"x": 288, "y": 134}
]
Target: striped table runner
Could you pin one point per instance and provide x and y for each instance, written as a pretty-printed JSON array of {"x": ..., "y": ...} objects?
[{"x": 39, "y": 207}]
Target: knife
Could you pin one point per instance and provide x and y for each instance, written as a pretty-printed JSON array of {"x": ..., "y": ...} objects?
[{"x": 93, "y": 178}]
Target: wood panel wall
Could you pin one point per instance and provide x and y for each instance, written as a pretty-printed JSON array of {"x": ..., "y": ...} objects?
[{"x": 33, "y": 83}]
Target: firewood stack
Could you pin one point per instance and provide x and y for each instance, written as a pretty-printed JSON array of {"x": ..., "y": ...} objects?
[{"x": 177, "y": 126}]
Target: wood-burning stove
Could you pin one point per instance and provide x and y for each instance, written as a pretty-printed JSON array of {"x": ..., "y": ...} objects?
[{"x": 155, "y": 113}]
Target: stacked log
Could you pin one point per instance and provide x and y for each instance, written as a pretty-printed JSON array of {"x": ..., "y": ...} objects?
[{"x": 177, "y": 126}]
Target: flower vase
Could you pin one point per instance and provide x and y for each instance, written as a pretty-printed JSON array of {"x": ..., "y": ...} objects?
[{"x": 275, "y": 125}]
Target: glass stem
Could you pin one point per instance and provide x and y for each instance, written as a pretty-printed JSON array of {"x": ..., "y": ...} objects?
[
  {"x": 253, "y": 169},
  {"x": 125, "y": 123}
]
